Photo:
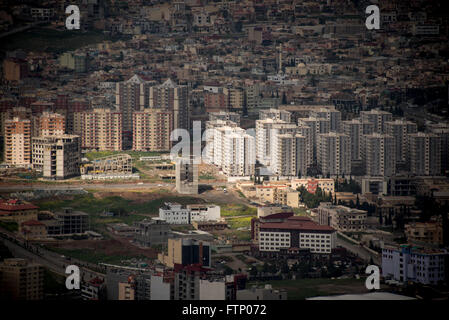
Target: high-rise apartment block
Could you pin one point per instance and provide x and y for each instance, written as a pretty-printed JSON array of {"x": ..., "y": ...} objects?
[
  {"x": 234, "y": 151},
  {"x": 100, "y": 129},
  {"x": 331, "y": 114},
  {"x": 152, "y": 129},
  {"x": 49, "y": 124},
  {"x": 130, "y": 96},
  {"x": 334, "y": 154},
  {"x": 425, "y": 154},
  {"x": 173, "y": 97},
  {"x": 400, "y": 130},
  {"x": 378, "y": 118},
  {"x": 379, "y": 154},
  {"x": 18, "y": 141},
  {"x": 275, "y": 114}
]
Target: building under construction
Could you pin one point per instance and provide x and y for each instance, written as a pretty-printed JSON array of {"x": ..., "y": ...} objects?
[{"x": 116, "y": 166}]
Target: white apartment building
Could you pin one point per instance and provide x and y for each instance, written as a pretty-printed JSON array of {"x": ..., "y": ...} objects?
[
  {"x": 263, "y": 139},
  {"x": 234, "y": 151},
  {"x": 331, "y": 114},
  {"x": 406, "y": 263},
  {"x": 355, "y": 129},
  {"x": 334, "y": 154},
  {"x": 378, "y": 118},
  {"x": 209, "y": 133},
  {"x": 400, "y": 129},
  {"x": 425, "y": 154},
  {"x": 379, "y": 155},
  {"x": 175, "y": 213}
]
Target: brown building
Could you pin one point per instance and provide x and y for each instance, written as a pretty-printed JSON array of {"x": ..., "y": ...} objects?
[
  {"x": 100, "y": 129},
  {"x": 18, "y": 141},
  {"x": 15, "y": 69},
  {"x": 21, "y": 280},
  {"x": 425, "y": 233},
  {"x": 152, "y": 129},
  {"x": 49, "y": 124}
]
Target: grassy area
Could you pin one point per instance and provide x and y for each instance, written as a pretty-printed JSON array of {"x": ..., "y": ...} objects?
[
  {"x": 50, "y": 40},
  {"x": 206, "y": 177},
  {"x": 128, "y": 211},
  {"x": 232, "y": 210},
  {"x": 93, "y": 256},
  {"x": 300, "y": 211},
  {"x": 134, "y": 154},
  {"x": 242, "y": 235},
  {"x": 240, "y": 222},
  {"x": 305, "y": 288},
  {"x": 10, "y": 226},
  {"x": 88, "y": 203}
]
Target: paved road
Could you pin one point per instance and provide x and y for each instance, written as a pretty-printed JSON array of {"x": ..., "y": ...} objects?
[
  {"x": 106, "y": 186},
  {"x": 51, "y": 260},
  {"x": 359, "y": 251}
]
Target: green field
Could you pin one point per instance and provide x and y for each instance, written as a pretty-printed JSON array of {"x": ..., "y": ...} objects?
[
  {"x": 88, "y": 203},
  {"x": 239, "y": 222},
  {"x": 306, "y": 288},
  {"x": 231, "y": 210},
  {"x": 134, "y": 154},
  {"x": 50, "y": 40},
  {"x": 127, "y": 211}
]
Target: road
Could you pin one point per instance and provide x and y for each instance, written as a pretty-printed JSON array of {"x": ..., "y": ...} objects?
[
  {"x": 51, "y": 260},
  {"x": 106, "y": 186},
  {"x": 359, "y": 251}
]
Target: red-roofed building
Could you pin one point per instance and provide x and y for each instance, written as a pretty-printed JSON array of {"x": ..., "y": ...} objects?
[
  {"x": 17, "y": 211},
  {"x": 295, "y": 232}
]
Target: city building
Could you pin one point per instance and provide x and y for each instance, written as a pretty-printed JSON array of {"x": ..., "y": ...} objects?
[
  {"x": 186, "y": 176},
  {"x": 334, "y": 154},
  {"x": 186, "y": 252},
  {"x": 425, "y": 154},
  {"x": 296, "y": 233},
  {"x": 407, "y": 263},
  {"x": 72, "y": 222},
  {"x": 341, "y": 218},
  {"x": 152, "y": 129},
  {"x": 174, "y": 213},
  {"x": 152, "y": 232},
  {"x": 17, "y": 147},
  {"x": 275, "y": 114},
  {"x": 21, "y": 280},
  {"x": 428, "y": 233},
  {"x": 378, "y": 118},
  {"x": 234, "y": 152},
  {"x": 58, "y": 156},
  {"x": 17, "y": 210},
  {"x": 78, "y": 62},
  {"x": 130, "y": 96},
  {"x": 173, "y": 97},
  {"x": 379, "y": 155},
  {"x": 312, "y": 184},
  {"x": 100, "y": 129},
  {"x": 400, "y": 130},
  {"x": 49, "y": 124}
]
